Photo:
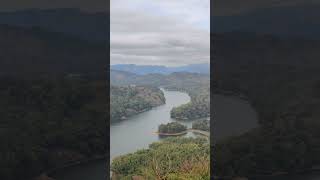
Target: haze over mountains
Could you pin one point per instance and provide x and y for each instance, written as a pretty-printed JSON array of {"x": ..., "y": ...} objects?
[
  {"x": 54, "y": 41},
  {"x": 233, "y": 7},
  {"x": 290, "y": 18},
  {"x": 301, "y": 20},
  {"x": 74, "y": 22},
  {"x": 40, "y": 51},
  {"x": 149, "y": 69}
]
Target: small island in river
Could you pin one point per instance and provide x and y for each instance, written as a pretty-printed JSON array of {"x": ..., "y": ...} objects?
[
  {"x": 176, "y": 129},
  {"x": 172, "y": 128}
]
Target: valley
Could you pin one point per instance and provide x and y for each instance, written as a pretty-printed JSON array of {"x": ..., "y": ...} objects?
[
  {"x": 141, "y": 128},
  {"x": 196, "y": 85}
]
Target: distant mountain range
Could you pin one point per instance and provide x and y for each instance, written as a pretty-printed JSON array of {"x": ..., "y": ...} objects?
[
  {"x": 149, "y": 69},
  {"x": 84, "y": 25},
  {"x": 182, "y": 79},
  {"x": 286, "y": 21}
]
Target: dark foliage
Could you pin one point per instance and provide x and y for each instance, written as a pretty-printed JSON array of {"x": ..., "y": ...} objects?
[
  {"x": 48, "y": 122},
  {"x": 279, "y": 77}
]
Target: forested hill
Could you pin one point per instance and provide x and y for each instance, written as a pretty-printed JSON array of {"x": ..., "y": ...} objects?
[
  {"x": 127, "y": 101},
  {"x": 280, "y": 77},
  {"x": 179, "y": 79},
  {"x": 172, "y": 158},
  {"x": 48, "y": 122},
  {"x": 33, "y": 51},
  {"x": 196, "y": 85},
  {"x": 53, "y": 101}
]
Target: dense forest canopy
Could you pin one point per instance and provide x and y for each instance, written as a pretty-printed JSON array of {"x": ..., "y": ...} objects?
[
  {"x": 48, "y": 122},
  {"x": 172, "y": 158},
  {"x": 196, "y": 85},
  {"x": 53, "y": 100},
  {"x": 126, "y": 101},
  {"x": 203, "y": 125},
  {"x": 280, "y": 78},
  {"x": 177, "y": 158},
  {"x": 172, "y": 127}
]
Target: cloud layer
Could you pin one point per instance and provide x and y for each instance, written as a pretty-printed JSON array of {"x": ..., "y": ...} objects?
[{"x": 160, "y": 32}]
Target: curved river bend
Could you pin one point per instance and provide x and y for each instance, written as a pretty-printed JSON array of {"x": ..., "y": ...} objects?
[
  {"x": 137, "y": 132},
  {"x": 127, "y": 136}
]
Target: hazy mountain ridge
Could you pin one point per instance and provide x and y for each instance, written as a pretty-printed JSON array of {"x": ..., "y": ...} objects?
[
  {"x": 233, "y": 7},
  {"x": 126, "y": 78},
  {"x": 74, "y": 22},
  {"x": 285, "y": 21},
  {"x": 43, "y": 52},
  {"x": 149, "y": 69}
]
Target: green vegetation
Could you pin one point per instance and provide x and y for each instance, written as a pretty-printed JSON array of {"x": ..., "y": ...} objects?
[
  {"x": 198, "y": 88},
  {"x": 282, "y": 84},
  {"x": 265, "y": 152},
  {"x": 203, "y": 125},
  {"x": 177, "y": 158},
  {"x": 53, "y": 101},
  {"x": 172, "y": 158},
  {"x": 172, "y": 127},
  {"x": 47, "y": 122},
  {"x": 190, "y": 111},
  {"x": 130, "y": 100},
  {"x": 196, "y": 85}
]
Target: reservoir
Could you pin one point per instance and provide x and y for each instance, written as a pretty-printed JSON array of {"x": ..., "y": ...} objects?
[
  {"x": 127, "y": 136},
  {"x": 137, "y": 131},
  {"x": 232, "y": 116}
]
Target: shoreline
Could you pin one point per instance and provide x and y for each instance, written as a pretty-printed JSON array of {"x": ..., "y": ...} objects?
[
  {"x": 204, "y": 133},
  {"x": 238, "y": 94}
]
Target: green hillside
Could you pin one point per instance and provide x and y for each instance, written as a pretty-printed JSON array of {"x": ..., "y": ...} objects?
[
  {"x": 173, "y": 158},
  {"x": 280, "y": 78},
  {"x": 126, "y": 101},
  {"x": 46, "y": 123},
  {"x": 196, "y": 85}
]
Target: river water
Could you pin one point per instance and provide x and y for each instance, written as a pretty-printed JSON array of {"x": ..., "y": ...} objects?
[
  {"x": 232, "y": 116},
  {"x": 127, "y": 136},
  {"x": 137, "y": 132}
]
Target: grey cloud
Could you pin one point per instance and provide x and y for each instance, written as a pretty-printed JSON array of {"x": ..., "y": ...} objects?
[{"x": 142, "y": 38}]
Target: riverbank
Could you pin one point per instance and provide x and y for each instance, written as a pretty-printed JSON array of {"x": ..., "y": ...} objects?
[
  {"x": 135, "y": 133},
  {"x": 204, "y": 133},
  {"x": 127, "y": 101}
]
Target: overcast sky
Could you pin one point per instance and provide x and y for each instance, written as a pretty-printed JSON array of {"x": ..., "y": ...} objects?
[{"x": 160, "y": 32}]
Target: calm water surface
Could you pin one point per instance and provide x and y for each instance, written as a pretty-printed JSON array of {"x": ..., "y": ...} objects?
[
  {"x": 128, "y": 136},
  {"x": 137, "y": 132},
  {"x": 232, "y": 116}
]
